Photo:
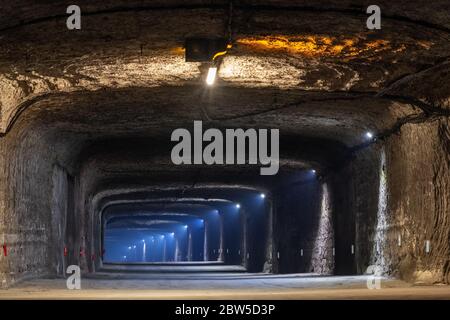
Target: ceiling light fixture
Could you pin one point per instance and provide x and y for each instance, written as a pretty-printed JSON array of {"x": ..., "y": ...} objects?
[
  {"x": 211, "y": 77},
  {"x": 209, "y": 50}
]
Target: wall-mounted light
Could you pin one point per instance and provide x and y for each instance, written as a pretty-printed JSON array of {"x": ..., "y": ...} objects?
[
  {"x": 262, "y": 195},
  {"x": 369, "y": 135},
  {"x": 313, "y": 171},
  {"x": 238, "y": 205}
]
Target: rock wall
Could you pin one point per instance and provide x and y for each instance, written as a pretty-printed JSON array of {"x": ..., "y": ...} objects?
[
  {"x": 354, "y": 187},
  {"x": 303, "y": 229},
  {"x": 418, "y": 182},
  {"x": 36, "y": 202},
  {"x": 390, "y": 199},
  {"x": 25, "y": 213},
  {"x": 322, "y": 259}
]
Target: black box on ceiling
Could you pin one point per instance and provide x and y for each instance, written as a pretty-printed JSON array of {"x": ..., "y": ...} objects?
[{"x": 203, "y": 49}]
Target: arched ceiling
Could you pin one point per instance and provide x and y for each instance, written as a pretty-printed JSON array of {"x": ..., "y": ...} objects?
[
  {"x": 311, "y": 70},
  {"x": 323, "y": 47}
]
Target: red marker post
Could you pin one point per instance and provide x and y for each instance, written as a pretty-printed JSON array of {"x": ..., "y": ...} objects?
[{"x": 5, "y": 250}]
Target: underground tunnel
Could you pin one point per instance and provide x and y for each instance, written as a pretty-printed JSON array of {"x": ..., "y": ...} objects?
[{"x": 87, "y": 118}]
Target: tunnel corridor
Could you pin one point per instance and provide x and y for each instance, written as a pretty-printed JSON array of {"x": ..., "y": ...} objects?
[{"x": 87, "y": 125}]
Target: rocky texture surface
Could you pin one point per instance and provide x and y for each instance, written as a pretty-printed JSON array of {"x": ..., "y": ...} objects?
[
  {"x": 400, "y": 201},
  {"x": 418, "y": 207},
  {"x": 86, "y": 114}
]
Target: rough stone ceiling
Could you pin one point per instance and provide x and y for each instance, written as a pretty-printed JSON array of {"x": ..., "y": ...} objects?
[
  {"x": 152, "y": 219},
  {"x": 323, "y": 74},
  {"x": 117, "y": 169},
  {"x": 26, "y": 11},
  {"x": 195, "y": 200},
  {"x": 143, "y": 223}
]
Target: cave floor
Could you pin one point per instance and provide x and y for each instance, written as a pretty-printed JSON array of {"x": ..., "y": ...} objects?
[{"x": 222, "y": 286}]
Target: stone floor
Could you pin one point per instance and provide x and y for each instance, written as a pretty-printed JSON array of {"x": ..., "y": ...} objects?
[
  {"x": 222, "y": 286},
  {"x": 182, "y": 268}
]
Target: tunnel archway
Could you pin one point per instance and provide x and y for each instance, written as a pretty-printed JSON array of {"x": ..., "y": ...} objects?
[
  {"x": 235, "y": 225},
  {"x": 85, "y": 141}
]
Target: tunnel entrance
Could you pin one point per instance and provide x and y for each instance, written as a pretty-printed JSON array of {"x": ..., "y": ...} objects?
[
  {"x": 223, "y": 225},
  {"x": 206, "y": 226},
  {"x": 159, "y": 238}
]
